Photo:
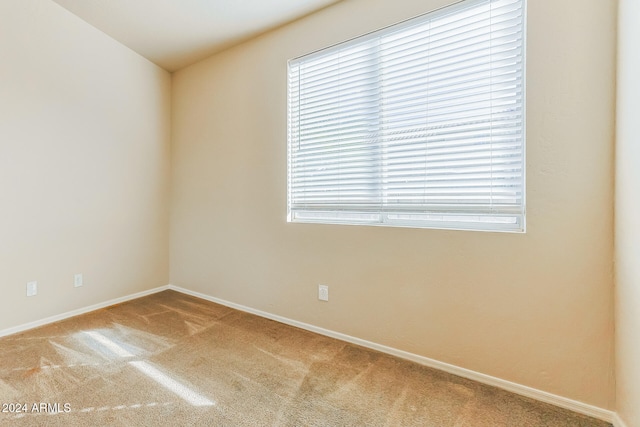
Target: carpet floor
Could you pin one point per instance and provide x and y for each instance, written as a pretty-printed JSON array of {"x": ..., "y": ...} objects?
[{"x": 170, "y": 359}]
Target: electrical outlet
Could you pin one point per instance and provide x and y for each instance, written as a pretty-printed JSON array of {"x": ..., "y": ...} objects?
[
  {"x": 77, "y": 281},
  {"x": 323, "y": 292},
  {"x": 32, "y": 288}
]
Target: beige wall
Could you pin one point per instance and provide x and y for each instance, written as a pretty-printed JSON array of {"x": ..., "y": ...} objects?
[
  {"x": 532, "y": 308},
  {"x": 628, "y": 216},
  {"x": 84, "y": 164}
]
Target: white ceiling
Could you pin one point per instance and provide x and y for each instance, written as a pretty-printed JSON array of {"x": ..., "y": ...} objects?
[{"x": 177, "y": 33}]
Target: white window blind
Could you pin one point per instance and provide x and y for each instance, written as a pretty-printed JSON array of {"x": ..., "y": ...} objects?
[{"x": 420, "y": 124}]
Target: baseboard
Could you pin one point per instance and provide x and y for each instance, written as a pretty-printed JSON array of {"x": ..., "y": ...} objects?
[
  {"x": 543, "y": 396},
  {"x": 520, "y": 389},
  {"x": 72, "y": 313},
  {"x": 617, "y": 421}
]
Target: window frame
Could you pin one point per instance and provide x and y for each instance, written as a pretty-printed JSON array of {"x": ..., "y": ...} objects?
[{"x": 485, "y": 221}]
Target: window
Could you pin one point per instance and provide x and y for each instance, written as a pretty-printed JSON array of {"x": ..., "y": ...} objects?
[{"x": 420, "y": 124}]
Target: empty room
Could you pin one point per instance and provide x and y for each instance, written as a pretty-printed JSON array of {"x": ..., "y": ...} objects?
[{"x": 320, "y": 213}]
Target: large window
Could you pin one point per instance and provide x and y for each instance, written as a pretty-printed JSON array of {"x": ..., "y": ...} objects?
[{"x": 420, "y": 124}]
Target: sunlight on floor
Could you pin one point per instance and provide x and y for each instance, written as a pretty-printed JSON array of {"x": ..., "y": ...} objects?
[
  {"x": 108, "y": 344},
  {"x": 102, "y": 343},
  {"x": 170, "y": 384}
]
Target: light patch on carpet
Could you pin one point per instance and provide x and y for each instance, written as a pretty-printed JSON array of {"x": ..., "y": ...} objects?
[
  {"x": 172, "y": 385},
  {"x": 150, "y": 371},
  {"x": 105, "y": 343},
  {"x": 73, "y": 357}
]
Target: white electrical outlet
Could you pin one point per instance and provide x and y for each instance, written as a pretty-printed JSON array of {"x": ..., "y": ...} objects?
[
  {"x": 77, "y": 281},
  {"x": 323, "y": 292},
  {"x": 32, "y": 288}
]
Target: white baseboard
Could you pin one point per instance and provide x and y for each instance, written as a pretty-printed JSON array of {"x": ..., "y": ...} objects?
[
  {"x": 68, "y": 314},
  {"x": 543, "y": 396},
  {"x": 617, "y": 421}
]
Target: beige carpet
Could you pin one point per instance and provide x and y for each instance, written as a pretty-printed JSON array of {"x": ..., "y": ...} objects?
[{"x": 171, "y": 360}]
